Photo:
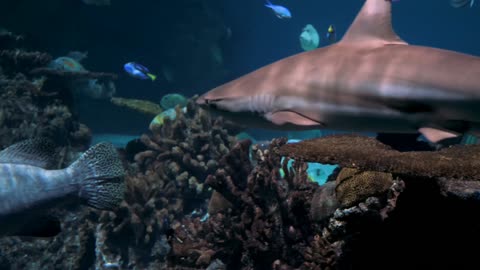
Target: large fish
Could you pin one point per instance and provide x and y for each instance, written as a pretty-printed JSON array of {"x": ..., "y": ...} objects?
[
  {"x": 371, "y": 80},
  {"x": 28, "y": 188}
]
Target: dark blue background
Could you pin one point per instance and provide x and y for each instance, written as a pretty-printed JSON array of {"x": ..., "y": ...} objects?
[{"x": 135, "y": 31}]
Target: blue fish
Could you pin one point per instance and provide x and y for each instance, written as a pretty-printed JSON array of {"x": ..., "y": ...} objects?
[
  {"x": 461, "y": 3},
  {"x": 138, "y": 71},
  {"x": 280, "y": 11},
  {"x": 331, "y": 34}
]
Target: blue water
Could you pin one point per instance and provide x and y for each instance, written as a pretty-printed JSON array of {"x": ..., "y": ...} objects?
[{"x": 139, "y": 31}]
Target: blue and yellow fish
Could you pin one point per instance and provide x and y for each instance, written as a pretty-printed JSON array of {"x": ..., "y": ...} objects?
[{"x": 139, "y": 71}]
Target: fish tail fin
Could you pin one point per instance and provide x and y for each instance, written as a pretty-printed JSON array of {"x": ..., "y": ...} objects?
[
  {"x": 100, "y": 174},
  {"x": 152, "y": 76},
  {"x": 268, "y": 3}
]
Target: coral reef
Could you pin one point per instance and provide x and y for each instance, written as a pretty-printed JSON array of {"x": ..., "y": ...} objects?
[
  {"x": 268, "y": 225},
  {"x": 13, "y": 61},
  {"x": 369, "y": 154},
  {"x": 71, "y": 75},
  {"x": 424, "y": 195},
  {"x": 165, "y": 191},
  {"x": 354, "y": 186},
  {"x": 72, "y": 249},
  {"x": 378, "y": 206},
  {"x": 27, "y": 111},
  {"x": 68, "y": 74},
  {"x": 142, "y": 106}
]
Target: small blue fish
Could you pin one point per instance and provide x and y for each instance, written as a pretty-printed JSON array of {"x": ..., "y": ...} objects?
[
  {"x": 280, "y": 11},
  {"x": 138, "y": 71}
]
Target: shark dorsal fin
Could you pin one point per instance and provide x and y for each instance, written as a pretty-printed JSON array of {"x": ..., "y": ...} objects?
[{"x": 373, "y": 25}]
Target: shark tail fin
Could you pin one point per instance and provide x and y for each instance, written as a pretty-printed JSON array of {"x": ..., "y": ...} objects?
[
  {"x": 152, "y": 76},
  {"x": 99, "y": 172}
]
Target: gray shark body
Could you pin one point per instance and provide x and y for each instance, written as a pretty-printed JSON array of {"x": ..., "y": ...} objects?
[{"x": 370, "y": 81}]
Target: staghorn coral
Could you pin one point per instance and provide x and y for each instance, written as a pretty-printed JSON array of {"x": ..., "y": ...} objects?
[
  {"x": 142, "y": 106},
  {"x": 165, "y": 186}
]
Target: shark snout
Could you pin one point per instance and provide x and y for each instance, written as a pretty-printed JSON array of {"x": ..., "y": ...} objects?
[{"x": 207, "y": 103}]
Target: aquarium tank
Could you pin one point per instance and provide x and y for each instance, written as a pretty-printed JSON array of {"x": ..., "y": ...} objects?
[{"x": 235, "y": 135}]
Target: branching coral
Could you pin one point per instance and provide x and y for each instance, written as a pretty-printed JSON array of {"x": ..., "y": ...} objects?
[
  {"x": 165, "y": 186},
  {"x": 268, "y": 225}
]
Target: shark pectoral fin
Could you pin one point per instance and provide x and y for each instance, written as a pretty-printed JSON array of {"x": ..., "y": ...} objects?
[
  {"x": 436, "y": 135},
  {"x": 290, "y": 117},
  {"x": 373, "y": 25}
]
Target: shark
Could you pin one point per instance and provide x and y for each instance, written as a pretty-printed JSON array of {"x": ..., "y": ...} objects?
[{"x": 369, "y": 81}]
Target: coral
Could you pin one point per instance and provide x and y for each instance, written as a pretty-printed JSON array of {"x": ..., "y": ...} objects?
[
  {"x": 66, "y": 74},
  {"x": 354, "y": 186},
  {"x": 13, "y": 61},
  {"x": 258, "y": 220},
  {"x": 73, "y": 248},
  {"x": 165, "y": 188},
  {"x": 142, "y": 106},
  {"x": 268, "y": 225},
  {"x": 367, "y": 154},
  {"x": 72, "y": 75},
  {"x": 324, "y": 202},
  {"x": 26, "y": 111},
  {"x": 218, "y": 203}
]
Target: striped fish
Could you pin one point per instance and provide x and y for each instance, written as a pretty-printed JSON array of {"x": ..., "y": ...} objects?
[{"x": 29, "y": 186}]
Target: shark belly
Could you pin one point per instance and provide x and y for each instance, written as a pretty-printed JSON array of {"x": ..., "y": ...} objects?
[{"x": 342, "y": 116}]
